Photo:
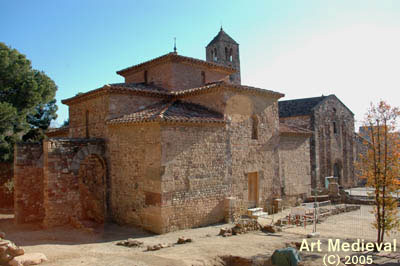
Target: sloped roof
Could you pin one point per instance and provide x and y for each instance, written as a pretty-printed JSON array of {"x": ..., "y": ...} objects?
[
  {"x": 136, "y": 88},
  {"x": 222, "y": 36},
  {"x": 304, "y": 106},
  {"x": 171, "y": 111},
  {"x": 173, "y": 56},
  {"x": 285, "y": 129},
  {"x": 156, "y": 91},
  {"x": 298, "y": 107},
  {"x": 224, "y": 84}
]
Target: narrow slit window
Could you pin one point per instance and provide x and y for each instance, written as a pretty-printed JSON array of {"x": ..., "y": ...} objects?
[
  {"x": 334, "y": 128},
  {"x": 145, "y": 77},
  {"x": 87, "y": 123},
  {"x": 254, "y": 127},
  {"x": 203, "y": 77}
]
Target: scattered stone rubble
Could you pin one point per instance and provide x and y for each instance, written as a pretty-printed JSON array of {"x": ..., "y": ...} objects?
[
  {"x": 130, "y": 243},
  {"x": 11, "y": 254},
  {"x": 243, "y": 226}
]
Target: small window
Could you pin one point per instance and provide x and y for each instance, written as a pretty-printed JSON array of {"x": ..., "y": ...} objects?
[
  {"x": 230, "y": 55},
  {"x": 145, "y": 77},
  {"x": 215, "y": 54},
  {"x": 203, "y": 77},
  {"x": 87, "y": 123},
  {"x": 334, "y": 128},
  {"x": 254, "y": 127}
]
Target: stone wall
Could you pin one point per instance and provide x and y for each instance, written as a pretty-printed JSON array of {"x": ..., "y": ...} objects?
[
  {"x": 87, "y": 118},
  {"x": 195, "y": 181},
  {"x": 134, "y": 161},
  {"x": 334, "y": 147},
  {"x": 294, "y": 153},
  {"x": 28, "y": 183},
  {"x": 303, "y": 121},
  {"x": 6, "y": 191},
  {"x": 174, "y": 76},
  {"x": 62, "y": 164}
]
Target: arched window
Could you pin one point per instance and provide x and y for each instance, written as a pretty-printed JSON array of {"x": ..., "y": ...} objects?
[
  {"x": 254, "y": 127},
  {"x": 145, "y": 77},
  {"x": 230, "y": 55},
  {"x": 203, "y": 77},
  {"x": 87, "y": 123},
  {"x": 215, "y": 54}
]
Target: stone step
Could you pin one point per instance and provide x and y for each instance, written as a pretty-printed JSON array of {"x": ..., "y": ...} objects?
[
  {"x": 255, "y": 210},
  {"x": 259, "y": 214}
]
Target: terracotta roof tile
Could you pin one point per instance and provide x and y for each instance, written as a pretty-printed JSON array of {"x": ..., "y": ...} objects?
[{"x": 171, "y": 111}]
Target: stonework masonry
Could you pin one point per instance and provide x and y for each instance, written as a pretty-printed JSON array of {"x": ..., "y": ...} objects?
[{"x": 180, "y": 144}]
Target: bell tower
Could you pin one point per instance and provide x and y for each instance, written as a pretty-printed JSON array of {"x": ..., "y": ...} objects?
[{"x": 224, "y": 50}]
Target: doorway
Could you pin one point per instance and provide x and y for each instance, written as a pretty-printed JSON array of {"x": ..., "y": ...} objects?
[{"x": 252, "y": 189}]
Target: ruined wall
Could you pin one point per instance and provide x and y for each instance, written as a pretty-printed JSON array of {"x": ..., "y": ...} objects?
[
  {"x": 294, "y": 153},
  {"x": 62, "y": 163},
  {"x": 134, "y": 161},
  {"x": 28, "y": 183},
  {"x": 6, "y": 190},
  {"x": 195, "y": 181},
  {"x": 334, "y": 142}
]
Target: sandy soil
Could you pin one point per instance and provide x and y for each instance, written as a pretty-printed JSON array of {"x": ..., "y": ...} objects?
[{"x": 68, "y": 246}]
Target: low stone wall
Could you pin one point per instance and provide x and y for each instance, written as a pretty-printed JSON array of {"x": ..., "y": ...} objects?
[{"x": 28, "y": 183}]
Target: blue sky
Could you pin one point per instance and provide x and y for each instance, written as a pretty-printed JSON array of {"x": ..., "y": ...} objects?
[{"x": 301, "y": 48}]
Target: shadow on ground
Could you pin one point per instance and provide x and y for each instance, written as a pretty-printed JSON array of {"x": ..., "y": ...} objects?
[{"x": 34, "y": 234}]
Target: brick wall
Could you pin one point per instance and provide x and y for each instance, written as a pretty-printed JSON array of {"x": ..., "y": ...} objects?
[
  {"x": 294, "y": 153},
  {"x": 28, "y": 183}
]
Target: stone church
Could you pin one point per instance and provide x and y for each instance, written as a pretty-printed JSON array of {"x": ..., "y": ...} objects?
[{"x": 180, "y": 144}]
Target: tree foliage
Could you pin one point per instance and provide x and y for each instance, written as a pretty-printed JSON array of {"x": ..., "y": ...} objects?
[
  {"x": 27, "y": 103},
  {"x": 381, "y": 165}
]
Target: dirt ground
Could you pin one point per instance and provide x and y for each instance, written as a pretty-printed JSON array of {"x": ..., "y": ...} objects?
[{"x": 68, "y": 246}]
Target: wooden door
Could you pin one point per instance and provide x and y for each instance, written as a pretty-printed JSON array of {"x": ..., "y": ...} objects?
[{"x": 253, "y": 189}]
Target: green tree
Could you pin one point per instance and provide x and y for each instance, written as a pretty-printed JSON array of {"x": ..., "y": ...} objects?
[{"x": 27, "y": 103}]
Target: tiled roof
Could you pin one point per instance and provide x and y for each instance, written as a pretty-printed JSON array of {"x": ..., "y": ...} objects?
[
  {"x": 222, "y": 36},
  {"x": 176, "y": 58},
  {"x": 293, "y": 130},
  {"x": 226, "y": 85},
  {"x": 298, "y": 107},
  {"x": 138, "y": 88},
  {"x": 171, "y": 111},
  {"x": 152, "y": 90}
]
